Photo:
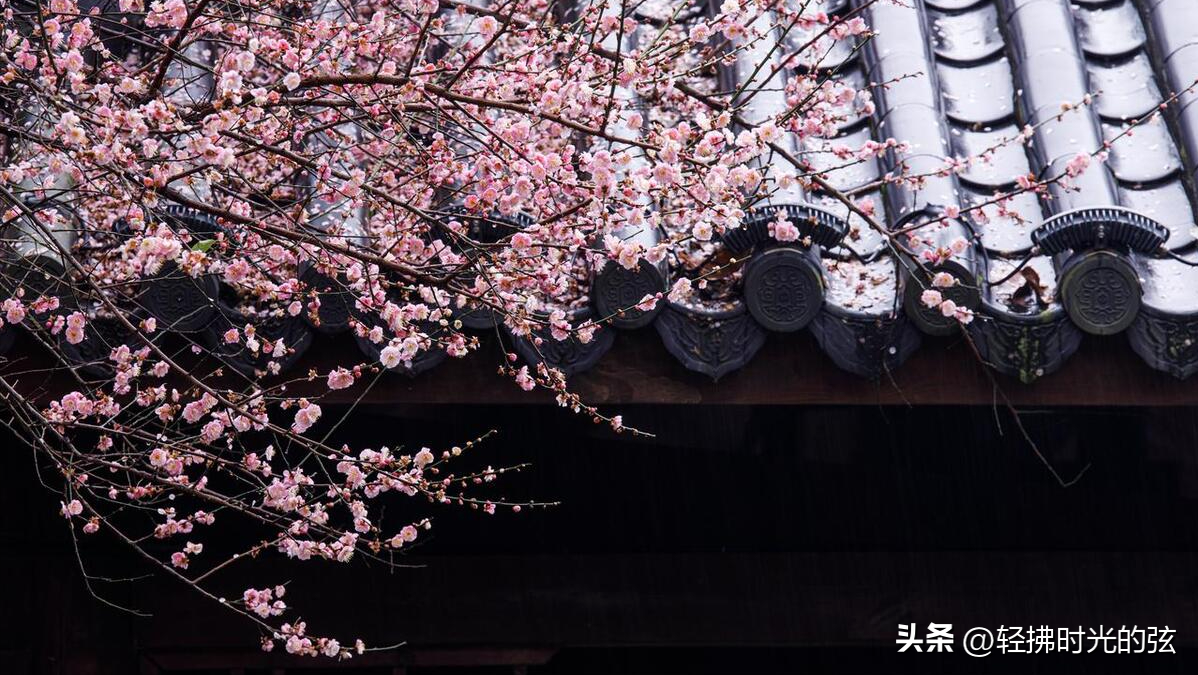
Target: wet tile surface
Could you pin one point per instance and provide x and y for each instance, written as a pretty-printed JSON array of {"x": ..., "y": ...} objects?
[{"x": 957, "y": 78}]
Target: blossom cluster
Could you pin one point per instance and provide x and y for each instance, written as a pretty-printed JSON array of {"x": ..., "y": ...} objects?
[{"x": 412, "y": 161}]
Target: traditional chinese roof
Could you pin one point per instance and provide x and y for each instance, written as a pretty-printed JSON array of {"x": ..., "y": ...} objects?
[{"x": 1111, "y": 253}]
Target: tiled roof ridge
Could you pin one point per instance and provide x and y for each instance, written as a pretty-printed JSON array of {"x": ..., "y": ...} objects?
[{"x": 965, "y": 74}]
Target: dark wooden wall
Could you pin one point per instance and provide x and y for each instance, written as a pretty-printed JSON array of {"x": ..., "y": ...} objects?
[{"x": 741, "y": 539}]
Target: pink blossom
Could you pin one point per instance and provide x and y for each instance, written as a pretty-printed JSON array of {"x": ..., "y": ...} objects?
[
  {"x": 14, "y": 310},
  {"x": 524, "y": 379},
  {"x": 72, "y": 508},
  {"x": 390, "y": 356},
  {"x": 1077, "y": 165},
  {"x": 943, "y": 280},
  {"x": 784, "y": 230},
  {"x": 340, "y": 378},
  {"x": 521, "y": 241},
  {"x": 423, "y": 458},
  {"x": 335, "y": 146},
  {"x": 170, "y": 13},
  {"x": 681, "y": 290},
  {"x": 305, "y": 417}
]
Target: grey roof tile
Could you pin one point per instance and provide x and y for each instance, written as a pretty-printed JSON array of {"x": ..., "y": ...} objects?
[
  {"x": 979, "y": 94},
  {"x": 1169, "y": 287},
  {"x": 826, "y": 54},
  {"x": 843, "y": 174},
  {"x": 1167, "y": 203},
  {"x": 920, "y": 126},
  {"x": 1125, "y": 89},
  {"x": 1174, "y": 24},
  {"x": 970, "y": 36},
  {"x": 862, "y": 240},
  {"x": 1109, "y": 30},
  {"x": 952, "y": 78},
  {"x": 1144, "y": 153},
  {"x": 1006, "y": 231},
  {"x": 994, "y": 163},
  {"x": 955, "y": 4}
]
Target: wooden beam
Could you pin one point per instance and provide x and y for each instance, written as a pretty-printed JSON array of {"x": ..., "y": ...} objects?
[{"x": 789, "y": 370}]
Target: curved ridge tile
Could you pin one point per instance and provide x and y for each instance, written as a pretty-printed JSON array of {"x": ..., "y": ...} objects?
[
  {"x": 825, "y": 54},
  {"x": 1023, "y": 330},
  {"x": 900, "y": 79},
  {"x": 994, "y": 164},
  {"x": 969, "y": 36},
  {"x": 1006, "y": 231},
  {"x": 1095, "y": 187},
  {"x": 1049, "y": 66},
  {"x": 861, "y": 328},
  {"x": 852, "y": 112},
  {"x": 979, "y": 94},
  {"x": 1181, "y": 68},
  {"x": 1165, "y": 334},
  {"x": 1187, "y": 124},
  {"x": 1099, "y": 286},
  {"x": 1167, "y": 204},
  {"x": 954, "y": 5},
  {"x": 1065, "y": 132},
  {"x": 1174, "y": 25},
  {"x": 919, "y": 125},
  {"x": 1144, "y": 155},
  {"x": 910, "y": 106},
  {"x": 1174, "y": 35},
  {"x": 1109, "y": 31},
  {"x": 782, "y": 284},
  {"x": 932, "y": 190},
  {"x": 1060, "y": 138},
  {"x": 1144, "y": 159},
  {"x": 842, "y": 173},
  {"x": 1126, "y": 89},
  {"x": 921, "y": 202},
  {"x": 862, "y": 239}
]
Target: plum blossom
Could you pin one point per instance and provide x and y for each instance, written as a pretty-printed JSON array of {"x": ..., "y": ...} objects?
[
  {"x": 391, "y": 173},
  {"x": 72, "y": 508},
  {"x": 1077, "y": 164},
  {"x": 340, "y": 378},
  {"x": 391, "y": 356},
  {"x": 943, "y": 280},
  {"x": 305, "y": 417},
  {"x": 783, "y": 230},
  {"x": 681, "y": 290}
]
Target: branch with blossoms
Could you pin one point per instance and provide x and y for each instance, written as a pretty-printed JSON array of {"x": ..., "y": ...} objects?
[{"x": 190, "y": 191}]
